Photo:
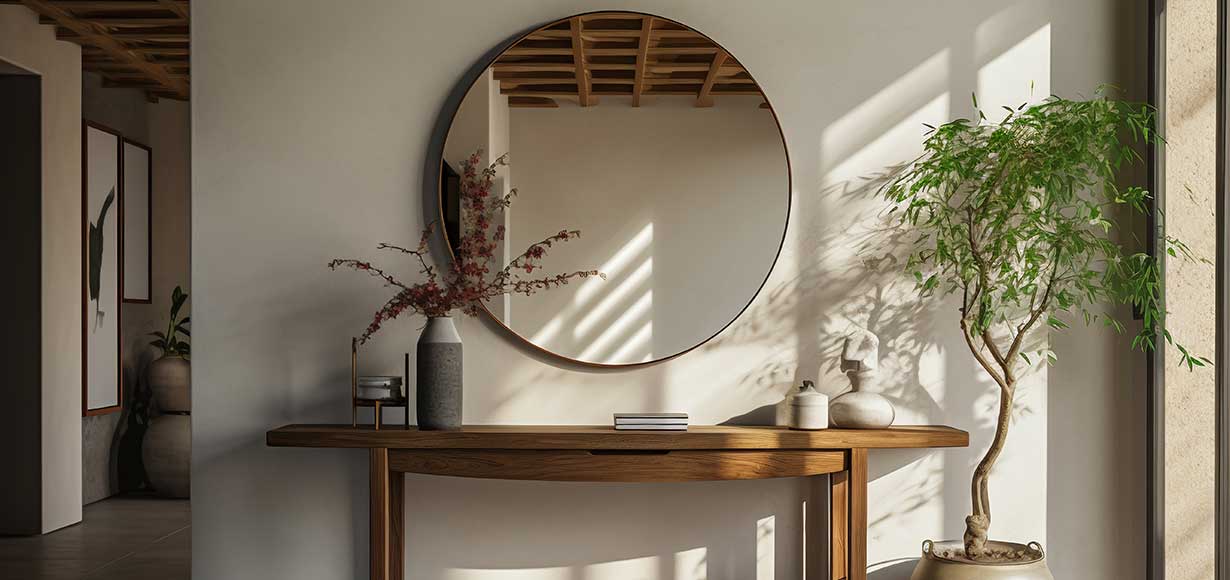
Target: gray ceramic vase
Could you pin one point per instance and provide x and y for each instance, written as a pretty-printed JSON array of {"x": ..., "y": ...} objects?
[
  {"x": 167, "y": 454},
  {"x": 166, "y": 449},
  {"x": 170, "y": 377},
  {"x": 438, "y": 376}
]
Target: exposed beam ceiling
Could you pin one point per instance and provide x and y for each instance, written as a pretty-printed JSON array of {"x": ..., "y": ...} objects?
[
  {"x": 620, "y": 55},
  {"x": 140, "y": 44}
]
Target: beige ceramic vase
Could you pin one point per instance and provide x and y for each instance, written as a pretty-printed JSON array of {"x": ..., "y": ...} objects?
[{"x": 943, "y": 561}]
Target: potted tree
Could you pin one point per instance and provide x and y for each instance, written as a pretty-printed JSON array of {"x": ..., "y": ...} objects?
[{"x": 1019, "y": 218}]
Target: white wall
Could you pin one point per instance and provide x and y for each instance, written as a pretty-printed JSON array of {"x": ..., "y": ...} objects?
[
  {"x": 34, "y": 47},
  {"x": 290, "y": 171},
  {"x": 682, "y": 207}
]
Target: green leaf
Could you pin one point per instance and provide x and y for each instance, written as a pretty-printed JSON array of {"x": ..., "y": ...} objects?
[{"x": 1020, "y": 217}]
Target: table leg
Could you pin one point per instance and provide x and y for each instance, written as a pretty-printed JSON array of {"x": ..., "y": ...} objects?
[
  {"x": 839, "y": 524},
  {"x": 379, "y": 508},
  {"x": 817, "y": 535},
  {"x": 848, "y": 519},
  {"x": 397, "y": 525}
]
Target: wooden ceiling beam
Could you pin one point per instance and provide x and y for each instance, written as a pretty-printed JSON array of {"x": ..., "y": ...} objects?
[
  {"x": 129, "y": 76},
  {"x": 532, "y": 51},
  {"x": 609, "y": 92},
  {"x": 670, "y": 67},
  {"x": 664, "y": 33},
  {"x": 130, "y": 84},
  {"x": 92, "y": 34},
  {"x": 689, "y": 81},
  {"x": 78, "y": 6},
  {"x": 642, "y": 55},
  {"x": 529, "y": 81},
  {"x": 532, "y": 103},
  {"x": 162, "y": 50},
  {"x": 617, "y": 33},
  {"x": 530, "y": 67},
  {"x": 126, "y": 21},
  {"x": 578, "y": 61},
  {"x": 612, "y": 16},
  {"x": 150, "y": 35},
  {"x": 703, "y": 98},
  {"x": 104, "y": 66},
  {"x": 179, "y": 8}
]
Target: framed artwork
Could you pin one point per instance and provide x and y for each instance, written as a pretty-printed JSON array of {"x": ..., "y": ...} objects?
[
  {"x": 101, "y": 203},
  {"x": 136, "y": 186}
]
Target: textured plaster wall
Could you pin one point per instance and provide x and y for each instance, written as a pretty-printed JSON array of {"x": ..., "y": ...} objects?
[
  {"x": 313, "y": 143},
  {"x": 1190, "y": 130}
]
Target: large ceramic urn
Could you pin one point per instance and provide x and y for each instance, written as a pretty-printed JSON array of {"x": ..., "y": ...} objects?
[{"x": 167, "y": 448}]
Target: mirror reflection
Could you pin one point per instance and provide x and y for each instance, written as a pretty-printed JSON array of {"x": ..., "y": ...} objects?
[{"x": 659, "y": 147}]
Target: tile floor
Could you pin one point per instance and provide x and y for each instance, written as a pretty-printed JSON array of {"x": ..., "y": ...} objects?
[{"x": 124, "y": 537}]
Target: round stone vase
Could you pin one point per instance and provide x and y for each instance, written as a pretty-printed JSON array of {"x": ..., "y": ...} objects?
[
  {"x": 863, "y": 407},
  {"x": 167, "y": 454},
  {"x": 438, "y": 376},
  {"x": 170, "y": 378},
  {"x": 166, "y": 449}
]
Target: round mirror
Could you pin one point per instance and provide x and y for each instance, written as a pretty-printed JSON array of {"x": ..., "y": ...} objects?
[{"x": 659, "y": 147}]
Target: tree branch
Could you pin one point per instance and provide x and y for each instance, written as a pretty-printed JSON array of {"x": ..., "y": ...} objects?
[{"x": 1040, "y": 309}]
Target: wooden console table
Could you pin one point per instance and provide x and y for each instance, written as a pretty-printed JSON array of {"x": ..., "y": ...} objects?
[{"x": 560, "y": 453}]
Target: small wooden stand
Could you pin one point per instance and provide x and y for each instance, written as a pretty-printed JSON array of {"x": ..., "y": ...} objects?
[{"x": 378, "y": 405}]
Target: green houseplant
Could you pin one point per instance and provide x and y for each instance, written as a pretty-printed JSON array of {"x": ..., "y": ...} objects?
[
  {"x": 169, "y": 376},
  {"x": 169, "y": 341},
  {"x": 1020, "y": 219}
]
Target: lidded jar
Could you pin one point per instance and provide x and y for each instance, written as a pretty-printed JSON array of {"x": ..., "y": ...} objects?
[{"x": 809, "y": 408}]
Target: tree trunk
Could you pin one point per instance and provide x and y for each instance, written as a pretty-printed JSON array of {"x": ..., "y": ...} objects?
[{"x": 978, "y": 522}]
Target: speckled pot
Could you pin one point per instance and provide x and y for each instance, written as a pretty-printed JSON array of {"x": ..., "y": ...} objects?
[
  {"x": 438, "y": 376},
  {"x": 933, "y": 566}
]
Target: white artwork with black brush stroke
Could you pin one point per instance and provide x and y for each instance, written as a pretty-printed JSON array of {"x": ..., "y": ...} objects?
[{"x": 102, "y": 201}]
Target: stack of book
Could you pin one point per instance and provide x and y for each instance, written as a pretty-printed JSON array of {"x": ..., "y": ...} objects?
[{"x": 651, "y": 421}]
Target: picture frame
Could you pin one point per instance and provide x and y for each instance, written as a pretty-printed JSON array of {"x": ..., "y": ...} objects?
[
  {"x": 136, "y": 221},
  {"x": 101, "y": 268}
]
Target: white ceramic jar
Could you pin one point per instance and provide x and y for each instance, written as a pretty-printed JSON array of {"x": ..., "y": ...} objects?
[{"x": 809, "y": 408}]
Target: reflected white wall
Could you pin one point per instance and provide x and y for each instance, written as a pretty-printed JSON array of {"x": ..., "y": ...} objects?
[{"x": 699, "y": 195}]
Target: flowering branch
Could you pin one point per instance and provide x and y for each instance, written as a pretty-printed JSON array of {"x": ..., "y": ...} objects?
[{"x": 469, "y": 281}]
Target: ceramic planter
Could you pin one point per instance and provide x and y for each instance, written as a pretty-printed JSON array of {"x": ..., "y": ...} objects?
[
  {"x": 166, "y": 449},
  {"x": 170, "y": 378},
  {"x": 167, "y": 454},
  {"x": 438, "y": 376},
  {"x": 935, "y": 566}
]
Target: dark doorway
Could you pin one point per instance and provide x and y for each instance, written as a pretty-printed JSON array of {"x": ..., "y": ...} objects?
[{"x": 20, "y": 294}]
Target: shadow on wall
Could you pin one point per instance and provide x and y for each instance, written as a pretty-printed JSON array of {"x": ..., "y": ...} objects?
[
  {"x": 589, "y": 539},
  {"x": 847, "y": 272},
  {"x": 842, "y": 267}
]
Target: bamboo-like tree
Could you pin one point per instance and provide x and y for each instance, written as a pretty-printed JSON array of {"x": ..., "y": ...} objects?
[{"x": 1018, "y": 218}]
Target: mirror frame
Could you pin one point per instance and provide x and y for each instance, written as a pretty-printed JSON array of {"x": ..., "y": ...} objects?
[{"x": 434, "y": 208}]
